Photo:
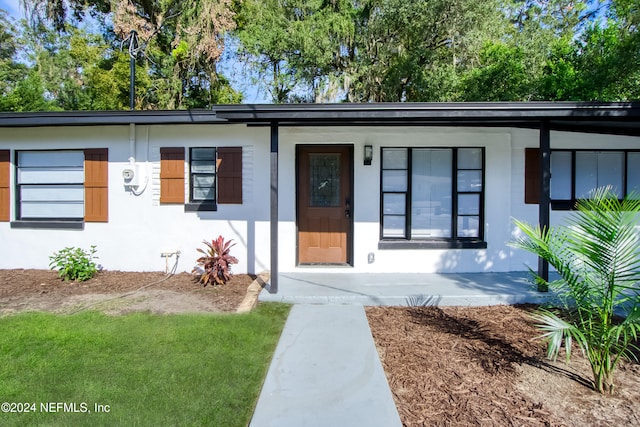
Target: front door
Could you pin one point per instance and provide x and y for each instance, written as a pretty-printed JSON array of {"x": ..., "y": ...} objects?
[{"x": 324, "y": 203}]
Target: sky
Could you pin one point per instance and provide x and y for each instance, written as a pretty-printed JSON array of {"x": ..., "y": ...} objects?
[{"x": 12, "y": 7}]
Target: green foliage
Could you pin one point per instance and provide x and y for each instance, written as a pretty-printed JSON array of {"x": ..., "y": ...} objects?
[
  {"x": 319, "y": 51},
  {"x": 501, "y": 75},
  {"x": 74, "y": 263},
  {"x": 216, "y": 262},
  {"x": 597, "y": 258}
]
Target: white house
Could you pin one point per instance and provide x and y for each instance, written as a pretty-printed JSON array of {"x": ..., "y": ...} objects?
[{"x": 320, "y": 187}]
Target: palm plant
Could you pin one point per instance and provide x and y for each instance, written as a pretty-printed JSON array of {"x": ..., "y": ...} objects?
[{"x": 597, "y": 259}]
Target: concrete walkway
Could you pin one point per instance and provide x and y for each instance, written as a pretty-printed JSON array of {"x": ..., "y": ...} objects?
[{"x": 326, "y": 372}]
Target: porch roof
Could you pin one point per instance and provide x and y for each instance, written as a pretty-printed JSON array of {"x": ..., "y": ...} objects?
[{"x": 623, "y": 118}]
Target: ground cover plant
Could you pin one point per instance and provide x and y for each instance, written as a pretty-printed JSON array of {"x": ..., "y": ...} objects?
[
  {"x": 75, "y": 263},
  {"x": 197, "y": 369},
  {"x": 596, "y": 256}
]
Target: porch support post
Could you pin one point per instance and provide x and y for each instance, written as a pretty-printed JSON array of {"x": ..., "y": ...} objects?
[
  {"x": 274, "y": 209},
  {"x": 545, "y": 189}
]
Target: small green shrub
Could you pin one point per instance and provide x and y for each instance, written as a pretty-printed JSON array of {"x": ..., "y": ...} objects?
[{"x": 74, "y": 263}]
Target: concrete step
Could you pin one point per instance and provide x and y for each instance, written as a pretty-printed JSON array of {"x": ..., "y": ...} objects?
[{"x": 471, "y": 289}]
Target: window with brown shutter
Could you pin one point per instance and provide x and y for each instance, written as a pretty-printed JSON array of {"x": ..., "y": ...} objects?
[
  {"x": 5, "y": 204},
  {"x": 96, "y": 185},
  {"x": 172, "y": 175},
  {"x": 532, "y": 176},
  {"x": 230, "y": 175}
]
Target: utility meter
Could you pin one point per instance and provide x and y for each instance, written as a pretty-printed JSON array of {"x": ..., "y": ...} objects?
[{"x": 128, "y": 174}]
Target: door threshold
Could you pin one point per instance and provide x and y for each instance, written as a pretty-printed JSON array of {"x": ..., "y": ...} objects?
[{"x": 324, "y": 264}]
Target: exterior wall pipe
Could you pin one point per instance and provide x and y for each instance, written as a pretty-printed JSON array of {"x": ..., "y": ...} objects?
[{"x": 132, "y": 143}]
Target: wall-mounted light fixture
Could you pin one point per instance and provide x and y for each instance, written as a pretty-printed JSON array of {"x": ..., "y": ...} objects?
[{"x": 368, "y": 154}]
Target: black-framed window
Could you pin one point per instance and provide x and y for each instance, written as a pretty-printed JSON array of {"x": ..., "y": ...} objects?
[
  {"x": 50, "y": 185},
  {"x": 202, "y": 176},
  {"x": 432, "y": 195},
  {"x": 576, "y": 173}
]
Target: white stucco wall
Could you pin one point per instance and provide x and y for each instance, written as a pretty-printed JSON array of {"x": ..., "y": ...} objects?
[
  {"x": 139, "y": 228},
  {"x": 366, "y": 198}
]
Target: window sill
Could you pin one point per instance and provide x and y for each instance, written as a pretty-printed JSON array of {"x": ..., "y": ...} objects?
[
  {"x": 563, "y": 205},
  {"x": 200, "y": 207},
  {"x": 432, "y": 244},
  {"x": 51, "y": 225}
]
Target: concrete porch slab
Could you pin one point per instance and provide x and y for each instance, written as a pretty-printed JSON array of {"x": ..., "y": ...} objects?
[{"x": 464, "y": 289}]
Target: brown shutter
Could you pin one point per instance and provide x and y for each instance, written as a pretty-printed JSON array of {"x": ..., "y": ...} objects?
[
  {"x": 96, "y": 185},
  {"x": 172, "y": 175},
  {"x": 532, "y": 175},
  {"x": 5, "y": 203},
  {"x": 230, "y": 175}
]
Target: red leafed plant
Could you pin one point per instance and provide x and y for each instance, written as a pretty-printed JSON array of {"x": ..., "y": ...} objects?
[{"x": 216, "y": 262}]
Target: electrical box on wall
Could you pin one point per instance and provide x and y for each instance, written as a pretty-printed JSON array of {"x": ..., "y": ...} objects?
[{"x": 131, "y": 175}]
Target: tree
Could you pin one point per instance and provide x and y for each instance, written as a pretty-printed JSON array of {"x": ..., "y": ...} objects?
[
  {"x": 500, "y": 76},
  {"x": 295, "y": 46},
  {"x": 340, "y": 50},
  {"x": 601, "y": 65},
  {"x": 363, "y": 51},
  {"x": 596, "y": 256},
  {"x": 180, "y": 43},
  {"x": 20, "y": 89}
]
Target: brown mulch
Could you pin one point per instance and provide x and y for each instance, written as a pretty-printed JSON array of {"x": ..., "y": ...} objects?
[
  {"x": 483, "y": 366},
  {"x": 31, "y": 289}
]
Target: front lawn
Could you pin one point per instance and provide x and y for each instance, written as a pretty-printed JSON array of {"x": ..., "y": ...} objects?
[{"x": 137, "y": 369}]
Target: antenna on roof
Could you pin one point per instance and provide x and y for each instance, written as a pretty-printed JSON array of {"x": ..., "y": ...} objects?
[{"x": 133, "y": 52}]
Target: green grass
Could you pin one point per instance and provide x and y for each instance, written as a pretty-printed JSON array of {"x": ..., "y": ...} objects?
[{"x": 150, "y": 370}]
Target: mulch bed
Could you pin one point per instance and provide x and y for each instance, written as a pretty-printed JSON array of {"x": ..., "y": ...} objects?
[
  {"x": 483, "y": 366},
  {"x": 21, "y": 283}
]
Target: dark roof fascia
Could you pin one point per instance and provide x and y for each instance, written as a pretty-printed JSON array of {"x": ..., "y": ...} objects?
[
  {"x": 428, "y": 113},
  {"x": 108, "y": 118},
  {"x": 396, "y": 123},
  {"x": 623, "y": 128},
  {"x": 616, "y": 118}
]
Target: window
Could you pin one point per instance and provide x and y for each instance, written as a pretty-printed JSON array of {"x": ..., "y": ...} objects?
[
  {"x": 432, "y": 195},
  {"x": 61, "y": 186},
  {"x": 202, "y": 165},
  {"x": 576, "y": 173},
  {"x": 214, "y": 173}
]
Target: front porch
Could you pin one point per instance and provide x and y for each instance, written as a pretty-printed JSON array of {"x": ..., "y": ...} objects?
[{"x": 463, "y": 289}]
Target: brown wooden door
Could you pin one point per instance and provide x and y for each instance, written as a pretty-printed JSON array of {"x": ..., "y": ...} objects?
[{"x": 324, "y": 204}]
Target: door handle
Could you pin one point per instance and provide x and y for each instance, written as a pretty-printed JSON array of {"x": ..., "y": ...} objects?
[{"x": 347, "y": 210}]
